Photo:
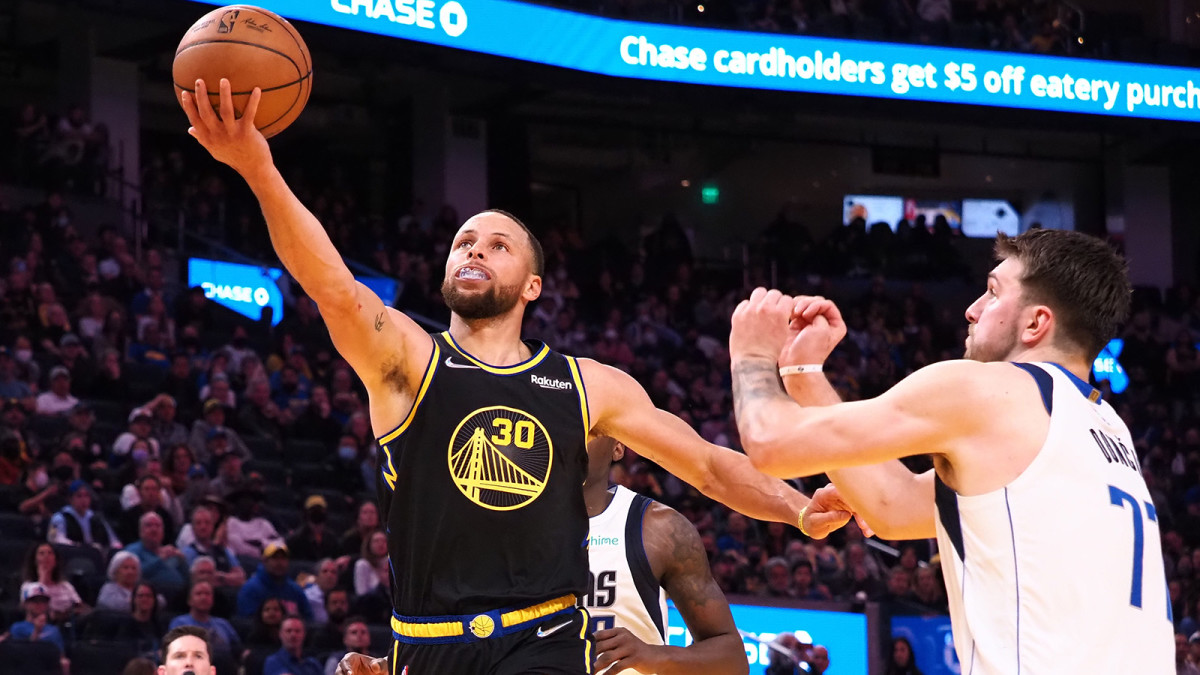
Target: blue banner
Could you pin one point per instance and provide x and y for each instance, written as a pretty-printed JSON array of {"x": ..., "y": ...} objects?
[
  {"x": 246, "y": 289},
  {"x": 767, "y": 60},
  {"x": 933, "y": 645},
  {"x": 844, "y": 634}
]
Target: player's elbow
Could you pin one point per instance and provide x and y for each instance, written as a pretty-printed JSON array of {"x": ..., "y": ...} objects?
[
  {"x": 768, "y": 454},
  {"x": 337, "y": 294}
]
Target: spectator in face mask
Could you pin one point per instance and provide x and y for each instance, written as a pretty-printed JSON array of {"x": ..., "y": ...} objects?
[
  {"x": 139, "y": 429},
  {"x": 312, "y": 541},
  {"x": 346, "y": 468}
]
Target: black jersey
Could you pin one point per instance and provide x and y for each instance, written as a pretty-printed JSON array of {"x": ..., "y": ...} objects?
[{"x": 481, "y": 488}]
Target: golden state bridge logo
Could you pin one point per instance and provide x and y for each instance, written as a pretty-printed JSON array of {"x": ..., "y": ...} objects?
[{"x": 500, "y": 457}]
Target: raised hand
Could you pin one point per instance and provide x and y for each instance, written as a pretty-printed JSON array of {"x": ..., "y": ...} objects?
[
  {"x": 229, "y": 139},
  {"x": 760, "y": 325},
  {"x": 815, "y": 327}
]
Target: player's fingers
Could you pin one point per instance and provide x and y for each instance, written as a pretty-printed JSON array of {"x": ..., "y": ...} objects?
[
  {"x": 757, "y": 295},
  {"x": 252, "y": 107},
  {"x": 862, "y": 525},
  {"x": 188, "y": 102},
  {"x": 821, "y": 524},
  {"x": 815, "y": 307},
  {"x": 228, "y": 116},
  {"x": 204, "y": 106}
]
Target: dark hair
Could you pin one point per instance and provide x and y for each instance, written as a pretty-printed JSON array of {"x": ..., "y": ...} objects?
[
  {"x": 182, "y": 631},
  {"x": 140, "y": 665},
  {"x": 1081, "y": 278},
  {"x": 31, "y": 573},
  {"x": 539, "y": 256},
  {"x": 351, "y": 620},
  {"x": 803, "y": 563}
]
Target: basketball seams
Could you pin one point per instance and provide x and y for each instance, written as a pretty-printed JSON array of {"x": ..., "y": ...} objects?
[{"x": 301, "y": 63}]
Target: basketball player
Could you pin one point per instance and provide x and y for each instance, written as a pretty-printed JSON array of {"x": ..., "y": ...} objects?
[
  {"x": 483, "y": 435},
  {"x": 641, "y": 552},
  {"x": 1048, "y": 536},
  {"x": 186, "y": 650}
]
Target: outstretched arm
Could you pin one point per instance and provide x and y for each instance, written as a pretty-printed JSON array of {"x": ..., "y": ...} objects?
[
  {"x": 621, "y": 408},
  {"x": 373, "y": 340},
  {"x": 897, "y": 503},
  {"x": 678, "y": 560}
]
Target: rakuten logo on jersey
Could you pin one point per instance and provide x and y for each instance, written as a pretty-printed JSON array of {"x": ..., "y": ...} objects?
[{"x": 451, "y": 17}]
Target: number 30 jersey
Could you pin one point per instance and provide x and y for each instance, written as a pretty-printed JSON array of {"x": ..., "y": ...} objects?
[
  {"x": 624, "y": 592},
  {"x": 481, "y": 487},
  {"x": 1060, "y": 571}
]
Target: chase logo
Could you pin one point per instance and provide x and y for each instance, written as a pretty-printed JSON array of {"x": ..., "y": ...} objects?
[
  {"x": 246, "y": 289},
  {"x": 451, "y": 17},
  {"x": 500, "y": 458},
  {"x": 1107, "y": 367}
]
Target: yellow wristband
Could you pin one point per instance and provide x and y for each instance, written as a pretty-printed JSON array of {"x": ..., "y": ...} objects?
[{"x": 800, "y": 520}]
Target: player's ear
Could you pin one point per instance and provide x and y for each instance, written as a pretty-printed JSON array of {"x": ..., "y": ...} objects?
[
  {"x": 533, "y": 288},
  {"x": 618, "y": 451},
  {"x": 1039, "y": 323}
]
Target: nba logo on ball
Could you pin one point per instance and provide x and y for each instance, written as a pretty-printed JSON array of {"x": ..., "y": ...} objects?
[{"x": 227, "y": 21}]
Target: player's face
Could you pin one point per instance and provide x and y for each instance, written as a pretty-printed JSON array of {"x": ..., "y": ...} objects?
[
  {"x": 994, "y": 317},
  {"x": 489, "y": 267},
  {"x": 187, "y": 653}
]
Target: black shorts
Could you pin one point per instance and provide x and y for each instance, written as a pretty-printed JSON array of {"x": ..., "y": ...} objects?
[{"x": 557, "y": 645}]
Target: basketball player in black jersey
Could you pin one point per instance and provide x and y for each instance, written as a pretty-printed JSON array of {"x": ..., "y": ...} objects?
[{"x": 483, "y": 435}]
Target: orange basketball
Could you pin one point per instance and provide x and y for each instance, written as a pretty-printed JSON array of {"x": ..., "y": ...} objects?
[{"x": 251, "y": 47}]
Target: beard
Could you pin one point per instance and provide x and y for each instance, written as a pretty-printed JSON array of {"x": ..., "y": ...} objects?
[
  {"x": 489, "y": 304},
  {"x": 989, "y": 353}
]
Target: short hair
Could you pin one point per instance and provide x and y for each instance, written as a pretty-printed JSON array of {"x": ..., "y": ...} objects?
[
  {"x": 351, "y": 620},
  {"x": 539, "y": 255},
  {"x": 1081, "y": 278},
  {"x": 200, "y": 560},
  {"x": 183, "y": 631},
  {"x": 119, "y": 559},
  {"x": 147, "y": 516}
]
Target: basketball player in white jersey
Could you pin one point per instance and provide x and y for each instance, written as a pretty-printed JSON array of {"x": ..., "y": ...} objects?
[
  {"x": 1048, "y": 536},
  {"x": 640, "y": 552}
]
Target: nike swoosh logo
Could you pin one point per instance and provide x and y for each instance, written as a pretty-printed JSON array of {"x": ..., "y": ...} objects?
[
  {"x": 451, "y": 364},
  {"x": 543, "y": 633}
]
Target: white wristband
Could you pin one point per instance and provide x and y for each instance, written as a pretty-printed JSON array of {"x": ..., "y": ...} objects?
[{"x": 796, "y": 370}]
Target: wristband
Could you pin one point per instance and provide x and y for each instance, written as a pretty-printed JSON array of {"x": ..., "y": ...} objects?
[
  {"x": 800, "y": 520},
  {"x": 796, "y": 370}
]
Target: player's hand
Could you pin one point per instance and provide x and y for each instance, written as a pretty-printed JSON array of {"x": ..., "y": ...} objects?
[
  {"x": 619, "y": 646},
  {"x": 760, "y": 325},
  {"x": 229, "y": 139},
  {"x": 361, "y": 664},
  {"x": 814, "y": 329},
  {"x": 828, "y": 511}
]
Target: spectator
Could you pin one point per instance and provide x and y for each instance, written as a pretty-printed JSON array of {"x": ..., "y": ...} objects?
[
  {"x": 267, "y": 619},
  {"x": 337, "y": 608},
  {"x": 110, "y": 382},
  {"x": 36, "y": 627},
  {"x": 124, "y": 574},
  {"x": 221, "y": 633},
  {"x": 247, "y": 532},
  {"x": 316, "y": 590},
  {"x": 312, "y": 541},
  {"x": 205, "y": 542},
  {"x": 36, "y": 496},
  {"x": 779, "y": 579},
  {"x": 355, "y": 638},
  {"x": 230, "y": 480},
  {"x": 139, "y": 430},
  {"x": 143, "y": 627},
  {"x": 163, "y": 427},
  {"x": 290, "y": 659},
  {"x": 77, "y": 525},
  {"x": 804, "y": 586},
  {"x": 180, "y": 384},
  {"x": 212, "y": 420},
  {"x": 150, "y": 500},
  {"x": 163, "y": 566},
  {"x": 930, "y": 591},
  {"x": 131, "y": 493},
  {"x": 14, "y": 457},
  {"x": 140, "y": 665},
  {"x": 204, "y": 569},
  {"x": 366, "y": 522},
  {"x": 902, "y": 662},
  {"x": 371, "y": 571},
  {"x": 58, "y": 400},
  {"x": 270, "y": 581},
  {"x": 11, "y": 385},
  {"x": 42, "y": 569},
  {"x": 259, "y": 416}
]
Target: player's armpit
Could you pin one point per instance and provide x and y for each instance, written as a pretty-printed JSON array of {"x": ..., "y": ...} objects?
[
  {"x": 677, "y": 556},
  {"x": 621, "y": 408}
]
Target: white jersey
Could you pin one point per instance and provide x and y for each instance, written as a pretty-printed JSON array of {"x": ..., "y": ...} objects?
[
  {"x": 1061, "y": 571},
  {"x": 622, "y": 589}
]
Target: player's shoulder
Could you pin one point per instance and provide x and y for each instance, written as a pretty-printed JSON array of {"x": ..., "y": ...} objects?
[{"x": 668, "y": 534}]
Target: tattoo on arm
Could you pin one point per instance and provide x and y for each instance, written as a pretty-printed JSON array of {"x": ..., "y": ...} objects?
[
  {"x": 688, "y": 579},
  {"x": 379, "y": 321},
  {"x": 756, "y": 379}
]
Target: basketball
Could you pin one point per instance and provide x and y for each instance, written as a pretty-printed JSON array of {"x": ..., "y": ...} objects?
[{"x": 250, "y": 47}]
